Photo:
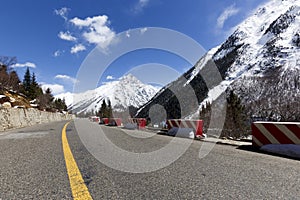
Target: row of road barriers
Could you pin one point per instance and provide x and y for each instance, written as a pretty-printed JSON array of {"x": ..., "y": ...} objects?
[
  {"x": 106, "y": 121},
  {"x": 139, "y": 122},
  {"x": 263, "y": 133}
]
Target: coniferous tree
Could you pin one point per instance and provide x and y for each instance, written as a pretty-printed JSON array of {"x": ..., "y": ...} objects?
[
  {"x": 48, "y": 94},
  {"x": 27, "y": 80},
  {"x": 60, "y": 105},
  {"x": 103, "y": 109},
  {"x": 109, "y": 110},
  {"x": 236, "y": 122},
  {"x": 205, "y": 114},
  {"x": 65, "y": 107},
  {"x": 30, "y": 86},
  {"x": 35, "y": 90}
]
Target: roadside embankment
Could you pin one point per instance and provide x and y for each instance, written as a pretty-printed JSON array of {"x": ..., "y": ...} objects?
[{"x": 11, "y": 118}]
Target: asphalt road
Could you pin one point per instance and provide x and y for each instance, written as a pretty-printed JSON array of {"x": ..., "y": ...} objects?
[{"x": 32, "y": 166}]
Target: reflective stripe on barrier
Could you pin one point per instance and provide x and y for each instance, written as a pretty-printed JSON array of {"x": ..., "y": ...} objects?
[
  {"x": 275, "y": 133},
  {"x": 141, "y": 122},
  {"x": 196, "y": 125}
]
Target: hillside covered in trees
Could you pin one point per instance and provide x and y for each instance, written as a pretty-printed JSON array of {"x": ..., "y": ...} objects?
[{"x": 26, "y": 93}]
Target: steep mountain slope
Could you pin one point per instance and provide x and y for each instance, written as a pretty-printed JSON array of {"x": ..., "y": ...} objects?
[
  {"x": 260, "y": 61},
  {"x": 126, "y": 91}
]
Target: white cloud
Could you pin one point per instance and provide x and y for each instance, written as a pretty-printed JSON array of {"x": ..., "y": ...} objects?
[
  {"x": 63, "y": 12},
  {"x": 109, "y": 77},
  {"x": 55, "y": 88},
  {"x": 65, "y": 78},
  {"x": 140, "y": 5},
  {"x": 95, "y": 30},
  {"x": 27, "y": 64},
  {"x": 58, "y": 53},
  {"x": 66, "y": 36},
  {"x": 227, "y": 13},
  {"x": 77, "y": 48},
  {"x": 128, "y": 33},
  {"x": 143, "y": 30}
]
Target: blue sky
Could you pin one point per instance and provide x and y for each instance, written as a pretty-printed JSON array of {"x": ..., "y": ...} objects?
[{"x": 53, "y": 37}]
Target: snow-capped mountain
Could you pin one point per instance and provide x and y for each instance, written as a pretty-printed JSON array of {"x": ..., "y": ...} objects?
[
  {"x": 260, "y": 62},
  {"x": 126, "y": 91}
]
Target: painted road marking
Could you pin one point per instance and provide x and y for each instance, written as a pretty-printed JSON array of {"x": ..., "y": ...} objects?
[{"x": 78, "y": 187}]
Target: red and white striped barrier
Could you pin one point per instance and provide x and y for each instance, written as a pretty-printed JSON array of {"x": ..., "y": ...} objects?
[
  {"x": 140, "y": 122},
  {"x": 275, "y": 133},
  {"x": 117, "y": 121},
  {"x": 105, "y": 121},
  {"x": 112, "y": 121},
  {"x": 197, "y": 125}
]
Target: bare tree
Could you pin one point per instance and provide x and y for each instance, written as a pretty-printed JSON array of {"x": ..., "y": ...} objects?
[
  {"x": 5, "y": 63},
  {"x": 14, "y": 81},
  {"x": 4, "y": 77},
  {"x": 8, "y": 61}
]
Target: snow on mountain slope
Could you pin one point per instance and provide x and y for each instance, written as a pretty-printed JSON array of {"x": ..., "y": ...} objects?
[
  {"x": 260, "y": 61},
  {"x": 265, "y": 39},
  {"x": 268, "y": 43},
  {"x": 126, "y": 91},
  {"x": 266, "y": 74}
]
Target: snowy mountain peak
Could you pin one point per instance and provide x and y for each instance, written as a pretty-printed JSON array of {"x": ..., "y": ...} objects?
[
  {"x": 129, "y": 78},
  {"x": 125, "y": 91},
  {"x": 270, "y": 36}
]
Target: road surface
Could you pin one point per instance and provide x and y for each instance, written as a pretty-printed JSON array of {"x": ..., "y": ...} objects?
[{"x": 33, "y": 166}]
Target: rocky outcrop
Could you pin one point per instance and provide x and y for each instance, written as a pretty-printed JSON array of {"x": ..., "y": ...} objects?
[{"x": 18, "y": 117}]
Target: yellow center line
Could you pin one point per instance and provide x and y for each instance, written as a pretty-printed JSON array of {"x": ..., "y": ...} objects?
[{"x": 78, "y": 187}]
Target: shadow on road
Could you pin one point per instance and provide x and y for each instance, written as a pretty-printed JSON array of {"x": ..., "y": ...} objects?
[{"x": 257, "y": 150}]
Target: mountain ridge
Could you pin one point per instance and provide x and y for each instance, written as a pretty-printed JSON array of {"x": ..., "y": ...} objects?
[
  {"x": 125, "y": 91},
  {"x": 263, "y": 52}
]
